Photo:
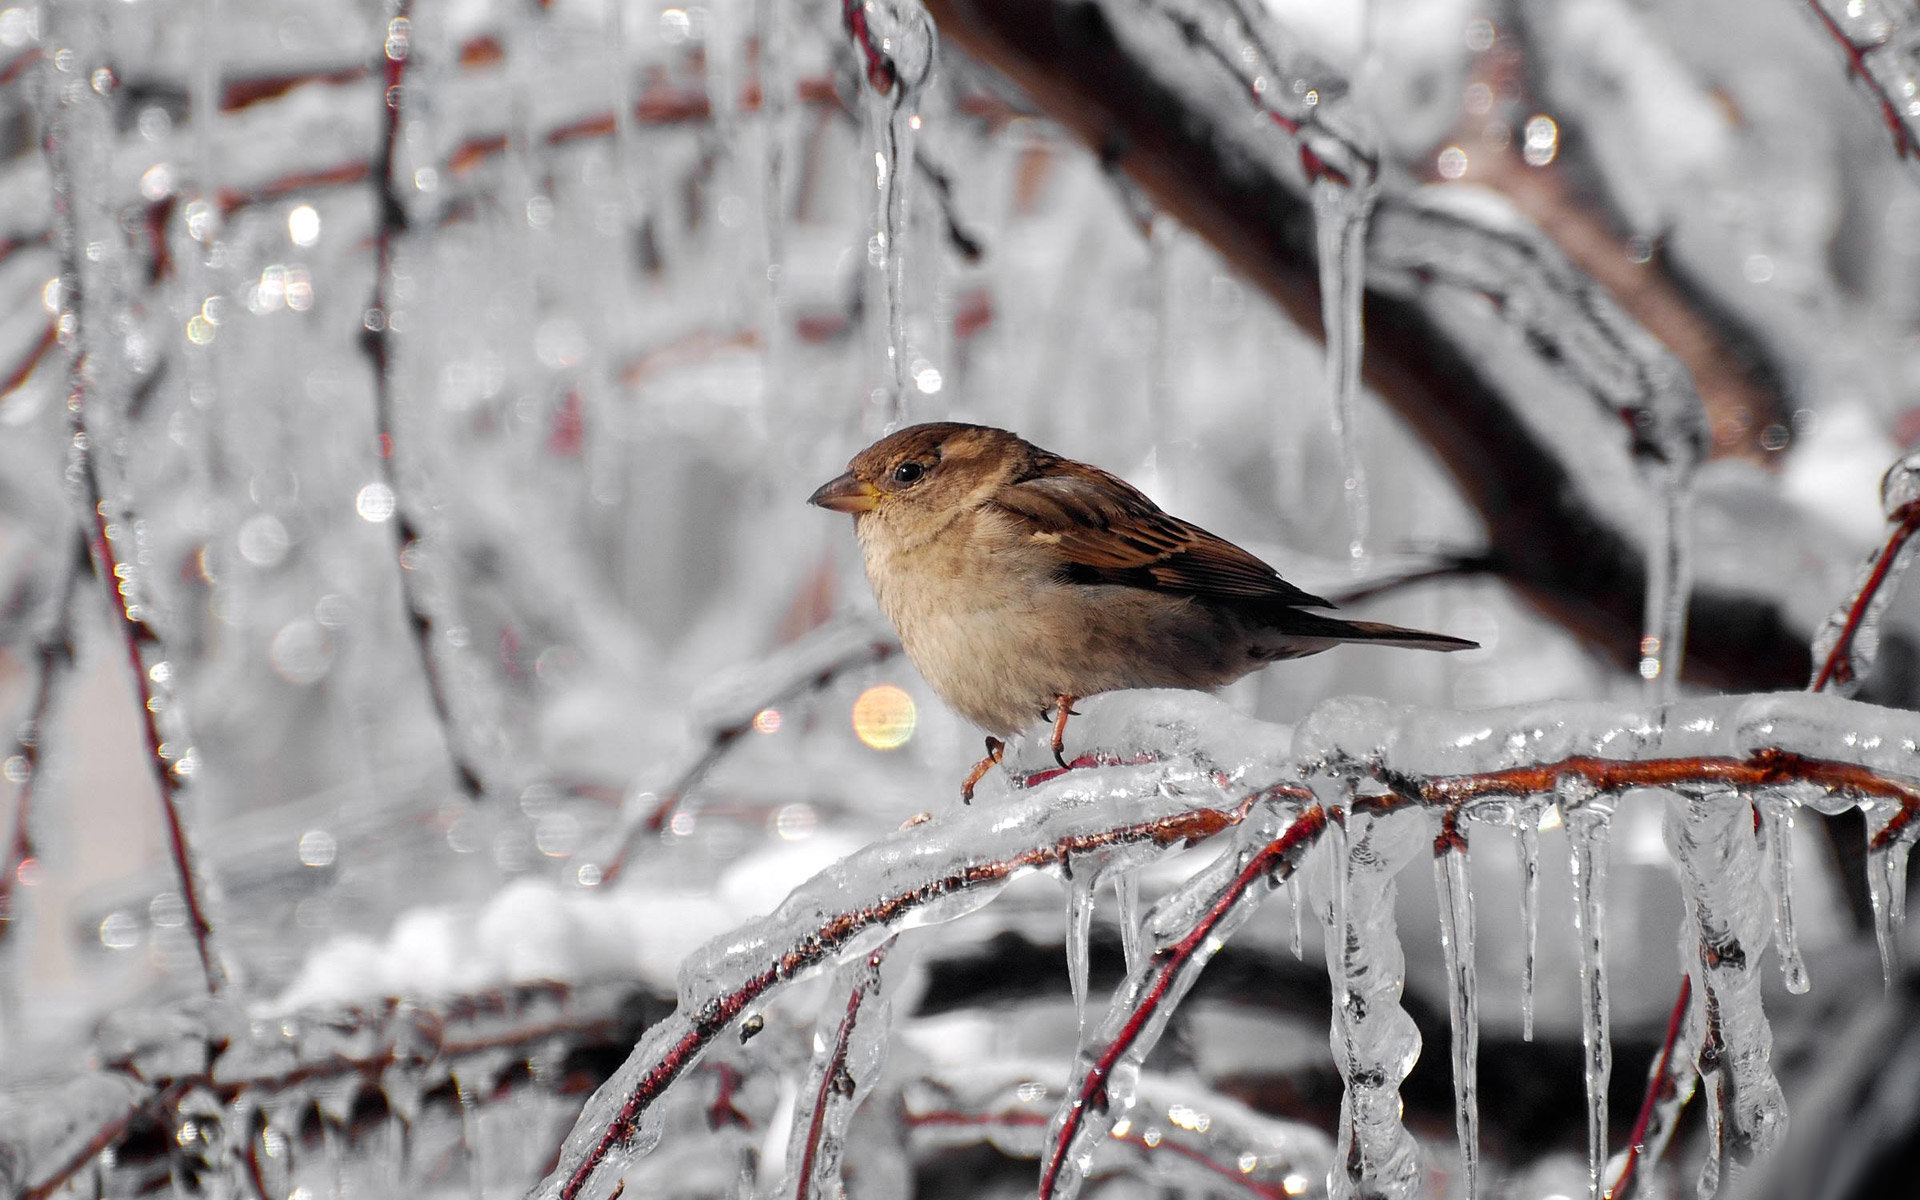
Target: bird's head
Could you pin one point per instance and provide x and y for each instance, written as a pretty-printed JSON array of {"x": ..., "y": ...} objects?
[{"x": 924, "y": 470}]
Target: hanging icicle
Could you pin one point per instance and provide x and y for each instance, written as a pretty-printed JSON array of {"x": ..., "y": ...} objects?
[{"x": 895, "y": 39}]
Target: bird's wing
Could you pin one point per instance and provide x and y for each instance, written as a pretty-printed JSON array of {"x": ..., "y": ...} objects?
[{"x": 1109, "y": 532}]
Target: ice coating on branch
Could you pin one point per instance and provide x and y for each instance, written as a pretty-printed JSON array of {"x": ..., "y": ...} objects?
[
  {"x": 849, "y": 1050},
  {"x": 1527, "y": 845},
  {"x": 1848, "y": 641},
  {"x": 1587, "y": 816},
  {"x": 1185, "y": 929},
  {"x": 1711, "y": 838},
  {"x": 935, "y": 871},
  {"x": 1340, "y": 212},
  {"x": 1463, "y": 1005},
  {"x": 1776, "y": 815},
  {"x": 1472, "y": 241},
  {"x": 1375, "y": 1041},
  {"x": 895, "y": 39},
  {"x": 1883, "y": 42}
]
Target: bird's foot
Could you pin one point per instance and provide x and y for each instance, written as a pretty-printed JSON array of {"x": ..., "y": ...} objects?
[
  {"x": 1063, "y": 706},
  {"x": 996, "y": 750}
]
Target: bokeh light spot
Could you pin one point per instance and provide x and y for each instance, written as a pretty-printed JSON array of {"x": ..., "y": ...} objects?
[
  {"x": 303, "y": 225},
  {"x": 767, "y": 720},
  {"x": 884, "y": 717}
]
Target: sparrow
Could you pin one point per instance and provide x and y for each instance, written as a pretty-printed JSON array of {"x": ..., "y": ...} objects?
[{"x": 1021, "y": 581}]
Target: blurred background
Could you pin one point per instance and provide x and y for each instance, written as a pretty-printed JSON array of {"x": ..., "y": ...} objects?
[{"x": 448, "y": 381}]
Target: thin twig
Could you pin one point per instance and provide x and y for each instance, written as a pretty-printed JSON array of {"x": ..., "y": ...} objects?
[
  {"x": 834, "y": 1078},
  {"x": 1837, "y": 667},
  {"x": 1277, "y": 856},
  {"x": 1659, "y": 1085},
  {"x": 1857, "y": 65},
  {"x": 375, "y": 341},
  {"x": 117, "y": 576},
  {"x": 635, "y": 821},
  {"x": 55, "y": 657}
]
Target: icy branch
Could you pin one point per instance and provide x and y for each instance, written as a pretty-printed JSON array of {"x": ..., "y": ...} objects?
[
  {"x": 153, "y": 1060},
  {"x": 725, "y": 713},
  {"x": 935, "y": 871},
  {"x": 75, "y": 119},
  {"x": 1480, "y": 332},
  {"x": 1882, "y": 45},
  {"x": 1847, "y": 643}
]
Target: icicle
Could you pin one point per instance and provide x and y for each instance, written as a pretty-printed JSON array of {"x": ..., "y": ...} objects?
[
  {"x": 1126, "y": 894},
  {"x": 1669, "y": 582},
  {"x": 896, "y": 40},
  {"x": 849, "y": 1048},
  {"x": 1776, "y": 813},
  {"x": 1340, "y": 210},
  {"x": 1080, "y": 886},
  {"x": 1587, "y": 814},
  {"x": 1299, "y": 905},
  {"x": 1711, "y": 839},
  {"x": 1463, "y": 1006},
  {"x": 1887, "y": 881},
  {"x": 1528, "y": 847},
  {"x": 1848, "y": 642},
  {"x": 1375, "y": 1042}
]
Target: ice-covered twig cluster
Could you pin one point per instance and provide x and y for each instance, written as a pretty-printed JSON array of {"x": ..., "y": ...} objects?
[
  {"x": 163, "y": 1069},
  {"x": 1390, "y": 782}
]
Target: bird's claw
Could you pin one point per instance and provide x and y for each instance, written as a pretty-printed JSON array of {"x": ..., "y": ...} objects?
[
  {"x": 996, "y": 750},
  {"x": 1064, "y": 706}
]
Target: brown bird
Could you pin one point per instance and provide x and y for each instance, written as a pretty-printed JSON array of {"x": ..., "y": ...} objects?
[{"x": 1021, "y": 581}]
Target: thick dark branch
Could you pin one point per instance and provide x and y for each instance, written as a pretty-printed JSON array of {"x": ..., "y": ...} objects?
[{"x": 1561, "y": 542}]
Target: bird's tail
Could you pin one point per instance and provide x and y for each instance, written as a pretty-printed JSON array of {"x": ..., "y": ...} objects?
[{"x": 1308, "y": 633}]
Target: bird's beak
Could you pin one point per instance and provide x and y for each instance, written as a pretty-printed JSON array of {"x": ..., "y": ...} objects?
[{"x": 846, "y": 494}]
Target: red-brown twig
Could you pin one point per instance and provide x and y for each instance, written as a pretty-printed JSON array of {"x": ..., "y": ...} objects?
[
  {"x": 1837, "y": 667},
  {"x": 23, "y": 370},
  {"x": 834, "y": 1080},
  {"x": 1766, "y": 766},
  {"x": 55, "y": 659},
  {"x": 1659, "y": 1086},
  {"x": 1162, "y": 971},
  {"x": 392, "y": 223},
  {"x": 826, "y": 940},
  {"x": 137, "y": 636},
  {"x": 1857, "y": 65},
  {"x": 631, "y": 824}
]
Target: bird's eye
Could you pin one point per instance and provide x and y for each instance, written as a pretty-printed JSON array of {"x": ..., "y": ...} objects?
[{"x": 908, "y": 473}]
